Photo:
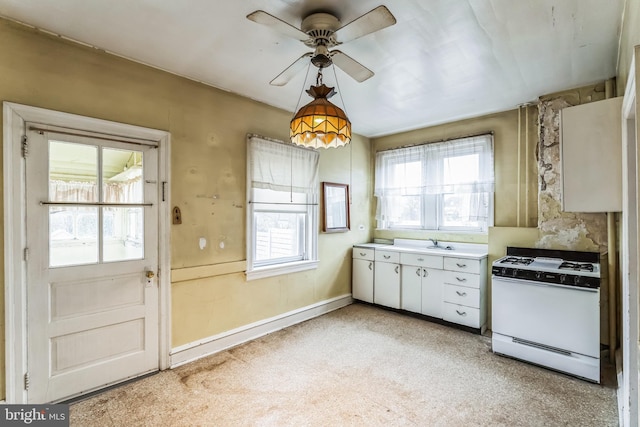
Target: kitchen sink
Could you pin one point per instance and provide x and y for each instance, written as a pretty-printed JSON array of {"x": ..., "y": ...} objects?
[{"x": 441, "y": 248}]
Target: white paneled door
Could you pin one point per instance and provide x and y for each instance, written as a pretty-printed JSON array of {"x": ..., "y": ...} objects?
[{"x": 92, "y": 261}]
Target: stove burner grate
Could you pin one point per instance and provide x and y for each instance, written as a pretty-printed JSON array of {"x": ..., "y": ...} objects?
[
  {"x": 517, "y": 260},
  {"x": 576, "y": 266}
]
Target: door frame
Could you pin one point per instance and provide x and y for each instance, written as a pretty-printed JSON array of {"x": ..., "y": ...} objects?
[
  {"x": 630, "y": 244},
  {"x": 15, "y": 117}
]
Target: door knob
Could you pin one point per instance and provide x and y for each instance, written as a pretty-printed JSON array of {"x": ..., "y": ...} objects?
[{"x": 150, "y": 274}]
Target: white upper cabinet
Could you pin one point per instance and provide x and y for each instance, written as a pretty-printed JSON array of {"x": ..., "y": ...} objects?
[{"x": 591, "y": 157}]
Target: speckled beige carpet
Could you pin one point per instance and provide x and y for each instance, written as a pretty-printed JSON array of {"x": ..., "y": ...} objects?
[{"x": 357, "y": 366}]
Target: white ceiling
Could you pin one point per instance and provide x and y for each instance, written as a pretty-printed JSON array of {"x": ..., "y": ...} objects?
[{"x": 443, "y": 60}]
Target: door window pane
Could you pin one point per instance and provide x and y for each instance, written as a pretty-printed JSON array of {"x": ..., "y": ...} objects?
[
  {"x": 73, "y": 172},
  {"x": 123, "y": 234},
  {"x": 121, "y": 176},
  {"x": 73, "y": 235}
]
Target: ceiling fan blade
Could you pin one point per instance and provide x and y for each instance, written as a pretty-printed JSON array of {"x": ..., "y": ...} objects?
[
  {"x": 262, "y": 17},
  {"x": 293, "y": 69},
  {"x": 370, "y": 22},
  {"x": 350, "y": 66}
]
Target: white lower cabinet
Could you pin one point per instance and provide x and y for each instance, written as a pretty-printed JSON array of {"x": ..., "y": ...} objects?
[
  {"x": 362, "y": 274},
  {"x": 443, "y": 287},
  {"x": 461, "y": 314},
  {"x": 411, "y": 288},
  {"x": 465, "y": 283},
  {"x": 422, "y": 283},
  {"x": 387, "y": 279},
  {"x": 432, "y": 293},
  {"x": 422, "y": 290}
]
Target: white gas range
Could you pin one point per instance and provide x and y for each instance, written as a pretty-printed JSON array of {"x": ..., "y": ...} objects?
[{"x": 545, "y": 309}]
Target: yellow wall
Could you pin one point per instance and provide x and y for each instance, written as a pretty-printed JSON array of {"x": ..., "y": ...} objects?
[
  {"x": 515, "y": 141},
  {"x": 208, "y": 129},
  {"x": 208, "y": 165}
]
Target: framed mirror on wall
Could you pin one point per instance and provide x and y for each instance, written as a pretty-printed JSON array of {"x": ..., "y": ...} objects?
[{"x": 335, "y": 200}]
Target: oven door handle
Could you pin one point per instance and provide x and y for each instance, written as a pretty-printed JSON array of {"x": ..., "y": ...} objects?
[{"x": 545, "y": 284}]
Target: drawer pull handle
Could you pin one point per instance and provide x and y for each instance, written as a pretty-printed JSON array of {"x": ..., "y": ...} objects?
[
  {"x": 370, "y": 266},
  {"x": 425, "y": 273},
  {"x": 418, "y": 272},
  {"x": 461, "y": 265},
  {"x": 461, "y": 279},
  {"x": 420, "y": 259},
  {"x": 462, "y": 294},
  {"x": 386, "y": 256},
  {"x": 461, "y": 313},
  {"x": 363, "y": 253},
  {"x": 397, "y": 267}
]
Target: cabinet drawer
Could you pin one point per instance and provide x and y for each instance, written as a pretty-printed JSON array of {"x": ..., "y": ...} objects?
[
  {"x": 468, "y": 297},
  {"x": 462, "y": 264},
  {"x": 421, "y": 260},
  {"x": 363, "y": 253},
  {"x": 387, "y": 256},
  {"x": 461, "y": 315},
  {"x": 462, "y": 279}
]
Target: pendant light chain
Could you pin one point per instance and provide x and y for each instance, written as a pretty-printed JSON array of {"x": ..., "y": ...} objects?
[
  {"x": 335, "y": 76},
  {"x": 303, "y": 85},
  {"x": 344, "y": 108}
]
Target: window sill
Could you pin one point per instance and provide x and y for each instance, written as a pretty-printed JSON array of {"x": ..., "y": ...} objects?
[
  {"x": 280, "y": 269},
  {"x": 437, "y": 231}
]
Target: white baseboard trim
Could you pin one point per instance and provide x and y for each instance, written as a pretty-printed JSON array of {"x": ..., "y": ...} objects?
[{"x": 198, "y": 349}]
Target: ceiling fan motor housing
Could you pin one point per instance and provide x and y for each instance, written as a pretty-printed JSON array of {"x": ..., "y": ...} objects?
[
  {"x": 321, "y": 57},
  {"x": 321, "y": 28}
]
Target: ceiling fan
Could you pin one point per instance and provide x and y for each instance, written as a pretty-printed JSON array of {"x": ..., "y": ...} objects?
[{"x": 322, "y": 31}]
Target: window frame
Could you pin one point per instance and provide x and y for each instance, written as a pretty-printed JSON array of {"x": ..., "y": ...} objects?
[
  {"x": 432, "y": 205},
  {"x": 309, "y": 208}
]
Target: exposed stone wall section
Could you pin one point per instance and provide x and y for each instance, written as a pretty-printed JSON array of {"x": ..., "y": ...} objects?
[{"x": 558, "y": 229}]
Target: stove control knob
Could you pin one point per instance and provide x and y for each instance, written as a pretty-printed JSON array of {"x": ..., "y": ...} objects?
[
  {"x": 563, "y": 278},
  {"x": 504, "y": 271},
  {"x": 538, "y": 274}
]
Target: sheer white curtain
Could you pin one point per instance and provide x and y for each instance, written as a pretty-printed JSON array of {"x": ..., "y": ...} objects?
[
  {"x": 72, "y": 191},
  {"x": 283, "y": 167},
  {"x": 123, "y": 192},
  {"x": 457, "y": 167},
  {"x": 87, "y": 192}
]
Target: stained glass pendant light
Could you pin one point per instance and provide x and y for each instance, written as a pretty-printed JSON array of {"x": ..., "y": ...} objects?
[{"x": 320, "y": 123}]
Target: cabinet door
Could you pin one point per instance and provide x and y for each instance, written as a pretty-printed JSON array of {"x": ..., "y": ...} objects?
[
  {"x": 362, "y": 279},
  {"x": 591, "y": 156},
  {"x": 432, "y": 284},
  {"x": 387, "y": 284},
  {"x": 411, "y": 295}
]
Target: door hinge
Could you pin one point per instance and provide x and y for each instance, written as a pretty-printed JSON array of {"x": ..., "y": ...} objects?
[
  {"x": 26, "y": 380},
  {"x": 25, "y": 146},
  {"x": 26, "y": 254}
]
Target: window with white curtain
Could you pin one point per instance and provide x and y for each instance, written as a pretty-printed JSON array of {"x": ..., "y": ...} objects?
[
  {"x": 282, "y": 207},
  {"x": 438, "y": 186}
]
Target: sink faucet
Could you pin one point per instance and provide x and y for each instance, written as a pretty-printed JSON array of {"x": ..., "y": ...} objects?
[{"x": 434, "y": 241}]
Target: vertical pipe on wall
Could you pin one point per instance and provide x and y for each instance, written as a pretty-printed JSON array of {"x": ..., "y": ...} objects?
[
  {"x": 613, "y": 273},
  {"x": 527, "y": 214},
  {"x": 519, "y": 181},
  {"x": 611, "y": 259}
]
